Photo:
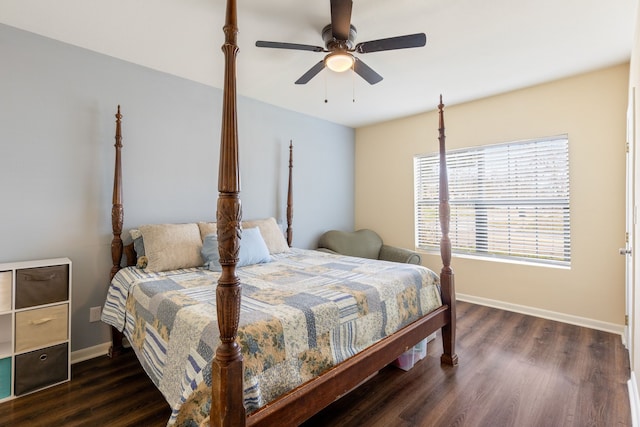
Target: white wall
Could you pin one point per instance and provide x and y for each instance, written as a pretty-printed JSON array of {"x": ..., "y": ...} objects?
[
  {"x": 591, "y": 109},
  {"x": 57, "y": 106}
]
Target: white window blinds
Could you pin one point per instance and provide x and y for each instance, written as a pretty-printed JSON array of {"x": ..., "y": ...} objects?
[{"x": 507, "y": 201}]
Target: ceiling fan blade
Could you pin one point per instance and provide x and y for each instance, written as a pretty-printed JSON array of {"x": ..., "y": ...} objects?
[
  {"x": 311, "y": 73},
  {"x": 294, "y": 46},
  {"x": 366, "y": 72},
  {"x": 392, "y": 43},
  {"x": 341, "y": 18}
]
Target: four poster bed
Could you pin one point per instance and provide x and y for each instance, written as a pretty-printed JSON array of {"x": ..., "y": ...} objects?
[{"x": 308, "y": 327}]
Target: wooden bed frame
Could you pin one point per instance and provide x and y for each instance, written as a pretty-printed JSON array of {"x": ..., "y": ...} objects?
[{"x": 293, "y": 408}]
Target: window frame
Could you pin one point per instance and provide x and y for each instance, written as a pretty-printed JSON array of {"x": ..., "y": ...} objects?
[{"x": 551, "y": 204}]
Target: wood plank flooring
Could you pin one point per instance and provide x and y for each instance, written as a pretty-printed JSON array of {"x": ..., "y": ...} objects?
[{"x": 515, "y": 370}]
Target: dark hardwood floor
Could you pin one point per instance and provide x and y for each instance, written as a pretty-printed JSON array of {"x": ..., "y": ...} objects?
[{"x": 514, "y": 370}]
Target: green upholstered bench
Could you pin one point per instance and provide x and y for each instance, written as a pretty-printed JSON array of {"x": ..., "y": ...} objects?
[{"x": 365, "y": 244}]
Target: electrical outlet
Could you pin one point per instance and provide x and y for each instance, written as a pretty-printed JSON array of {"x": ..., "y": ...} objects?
[{"x": 94, "y": 314}]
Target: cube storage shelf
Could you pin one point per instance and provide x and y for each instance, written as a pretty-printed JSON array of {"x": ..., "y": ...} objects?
[{"x": 35, "y": 325}]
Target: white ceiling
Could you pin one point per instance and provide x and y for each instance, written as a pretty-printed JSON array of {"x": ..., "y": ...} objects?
[{"x": 474, "y": 48}]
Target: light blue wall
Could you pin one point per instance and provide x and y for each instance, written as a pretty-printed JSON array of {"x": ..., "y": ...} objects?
[{"x": 57, "y": 106}]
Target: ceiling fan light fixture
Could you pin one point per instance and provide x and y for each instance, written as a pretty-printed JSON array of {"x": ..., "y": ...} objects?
[{"x": 339, "y": 61}]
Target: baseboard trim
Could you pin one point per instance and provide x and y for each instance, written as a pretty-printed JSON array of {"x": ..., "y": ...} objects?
[
  {"x": 634, "y": 400},
  {"x": 90, "y": 352},
  {"x": 545, "y": 314}
]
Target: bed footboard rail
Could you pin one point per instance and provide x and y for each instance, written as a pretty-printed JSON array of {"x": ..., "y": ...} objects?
[{"x": 308, "y": 399}]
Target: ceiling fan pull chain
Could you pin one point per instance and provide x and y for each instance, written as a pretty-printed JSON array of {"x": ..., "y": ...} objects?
[
  {"x": 353, "y": 84},
  {"x": 326, "y": 100}
]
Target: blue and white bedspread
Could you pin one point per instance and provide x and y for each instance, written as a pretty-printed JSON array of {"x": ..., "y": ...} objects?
[{"x": 301, "y": 314}]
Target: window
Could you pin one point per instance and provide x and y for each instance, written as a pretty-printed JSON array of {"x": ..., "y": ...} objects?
[{"x": 508, "y": 201}]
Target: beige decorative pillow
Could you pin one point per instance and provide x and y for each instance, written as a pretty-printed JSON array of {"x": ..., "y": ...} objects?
[
  {"x": 135, "y": 233},
  {"x": 207, "y": 228},
  {"x": 271, "y": 233},
  {"x": 172, "y": 246}
]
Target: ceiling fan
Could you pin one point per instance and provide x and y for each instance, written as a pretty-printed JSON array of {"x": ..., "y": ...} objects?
[{"x": 339, "y": 38}]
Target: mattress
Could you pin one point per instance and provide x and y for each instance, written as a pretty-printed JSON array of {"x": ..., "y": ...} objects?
[{"x": 301, "y": 314}]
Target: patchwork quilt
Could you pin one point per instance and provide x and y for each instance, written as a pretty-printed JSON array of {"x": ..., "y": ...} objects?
[{"x": 301, "y": 314}]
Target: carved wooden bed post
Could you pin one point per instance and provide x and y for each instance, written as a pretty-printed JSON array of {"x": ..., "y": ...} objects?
[
  {"x": 117, "y": 214},
  {"x": 227, "y": 407},
  {"x": 449, "y": 355},
  {"x": 117, "y": 220},
  {"x": 290, "y": 197}
]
